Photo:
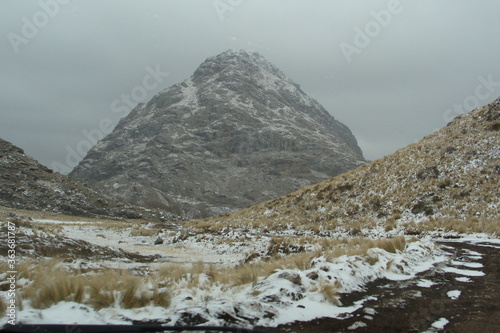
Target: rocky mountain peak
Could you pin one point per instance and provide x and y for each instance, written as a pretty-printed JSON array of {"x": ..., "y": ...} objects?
[
  {"x": 234, "y": 63},
  {"x": 237, "y": 132}
]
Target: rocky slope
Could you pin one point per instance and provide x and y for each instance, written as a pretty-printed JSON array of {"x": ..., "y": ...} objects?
[
  {"x": 236, "y": 133},
  {"x": 447, "y": 181},
  {"x": 26, "y": 184}
]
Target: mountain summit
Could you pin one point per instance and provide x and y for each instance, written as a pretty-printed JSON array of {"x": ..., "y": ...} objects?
[{"x": 236, "y": 133}]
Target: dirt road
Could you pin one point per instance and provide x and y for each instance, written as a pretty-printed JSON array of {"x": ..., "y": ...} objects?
[{"x": 460, "y": 295}]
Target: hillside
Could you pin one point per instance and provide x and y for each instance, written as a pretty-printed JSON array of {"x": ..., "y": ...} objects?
[
  {"x": 447, "y": 181},
  {"x": 236, "y": 133},
  {"x": 26, "y": 184}
]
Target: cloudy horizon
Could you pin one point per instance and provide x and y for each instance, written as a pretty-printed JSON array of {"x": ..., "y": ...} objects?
[{"x": 392, "y": 71}]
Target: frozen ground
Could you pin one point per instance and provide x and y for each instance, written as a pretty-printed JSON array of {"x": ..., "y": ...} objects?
[
  {"x": 434, "y": 301},
  {"x": 282, "y": 298}
]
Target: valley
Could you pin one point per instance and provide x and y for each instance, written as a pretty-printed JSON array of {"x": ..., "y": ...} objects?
[{"x": 404, "y": 243}]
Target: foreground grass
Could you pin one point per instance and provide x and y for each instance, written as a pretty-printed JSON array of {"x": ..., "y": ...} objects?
[{"x": 48, "y": 282}]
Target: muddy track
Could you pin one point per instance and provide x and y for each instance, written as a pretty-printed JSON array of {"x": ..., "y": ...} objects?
[{"x": 434, "y": 301}]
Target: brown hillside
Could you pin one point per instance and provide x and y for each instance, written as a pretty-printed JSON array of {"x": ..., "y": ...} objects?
[
  {"x": 26, "y": 184},
  {"x": 447, "y": 181}
]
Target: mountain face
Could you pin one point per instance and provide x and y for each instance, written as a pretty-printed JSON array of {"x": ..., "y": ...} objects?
[
  {"x": 26, "y": 184},
  {"x": 236, "y": 133},
  {"x": 447, "y": 181}
]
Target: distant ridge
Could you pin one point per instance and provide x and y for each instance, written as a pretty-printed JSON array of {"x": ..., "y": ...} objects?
[{"x": 26, "y": 184}]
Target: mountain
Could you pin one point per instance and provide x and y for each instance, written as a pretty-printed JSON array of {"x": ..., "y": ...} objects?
[
  {"x": 447, "y": 181},
  {"x": 236, "y": 133},
  {"x": 26, "y": 184}
]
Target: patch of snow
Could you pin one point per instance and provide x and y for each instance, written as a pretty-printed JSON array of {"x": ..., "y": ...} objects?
[
  {"x": 63, "y": 313},
  {"x": 59, "y": 222},
  {"x": 288, "y": 295},
  {"x": 440, "y": 323},
  {"x": 424, "y": 283},
  {"x": 369, "y": 311},
  {"x": 356, "y": 325},
  {"x": 472, "y": 253},
  {"x": 463, "y": 279},
  {"x": 321, "y": 209},
  {"x": 465, "y": 272},
  {"x": 453, "y": 294},
  {"x": 467, "y": 264}
]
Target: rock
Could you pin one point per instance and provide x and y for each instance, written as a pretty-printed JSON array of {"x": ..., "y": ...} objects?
[{"x": 158, "y": 241}]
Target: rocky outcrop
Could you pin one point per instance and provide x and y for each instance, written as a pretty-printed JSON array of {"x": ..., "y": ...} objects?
[{"x": 236, "y": 133}]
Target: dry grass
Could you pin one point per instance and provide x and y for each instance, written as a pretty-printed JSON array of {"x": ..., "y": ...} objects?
[
  {"x": 145, "y": 232},
  {"x": 120, "y": 288},
  {"x": 471, "y": 225},
  {"x": 188, "y": 276},
  {"x": 393, "y": 245},
  {"x": 334, "y": 247},
  {"x": 452, "y": 173},
  {"x": 59, "y": 288},
  {"x": 330, "y": 291},
  {"x": 51, "y": 282}
]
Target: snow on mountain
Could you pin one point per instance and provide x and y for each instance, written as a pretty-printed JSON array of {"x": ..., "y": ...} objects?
[{"x": 236, "y": 133}]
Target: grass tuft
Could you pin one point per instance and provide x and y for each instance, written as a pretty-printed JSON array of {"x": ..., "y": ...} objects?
[
  {"x": 330, "y": 292},
  {"x": 393, "y": 245},
  {"x": 111, "y": 288}
]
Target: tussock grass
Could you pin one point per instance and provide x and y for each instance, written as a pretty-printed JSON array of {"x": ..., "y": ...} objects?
[
  {"x": 145, "y": 232},
  {"x": 121, "y": 289},
  {"x": 329, "y": 291},
  {"x": 101, "y": 289},
  {"x": 334, "y": 248},
  {"x": 393, "y": 245},
  {"x": 51, "y": 282},
  {"x": 59, "y": 288}
]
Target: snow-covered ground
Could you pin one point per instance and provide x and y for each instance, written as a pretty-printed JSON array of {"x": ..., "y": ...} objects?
[{"x": 285, "y": 296}]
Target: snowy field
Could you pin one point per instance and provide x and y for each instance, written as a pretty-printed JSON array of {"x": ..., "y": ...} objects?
[{"x": 284, "y": 296}]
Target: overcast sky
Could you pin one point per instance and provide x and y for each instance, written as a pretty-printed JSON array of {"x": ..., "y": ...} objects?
[{"x": 393, "y": 71}]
